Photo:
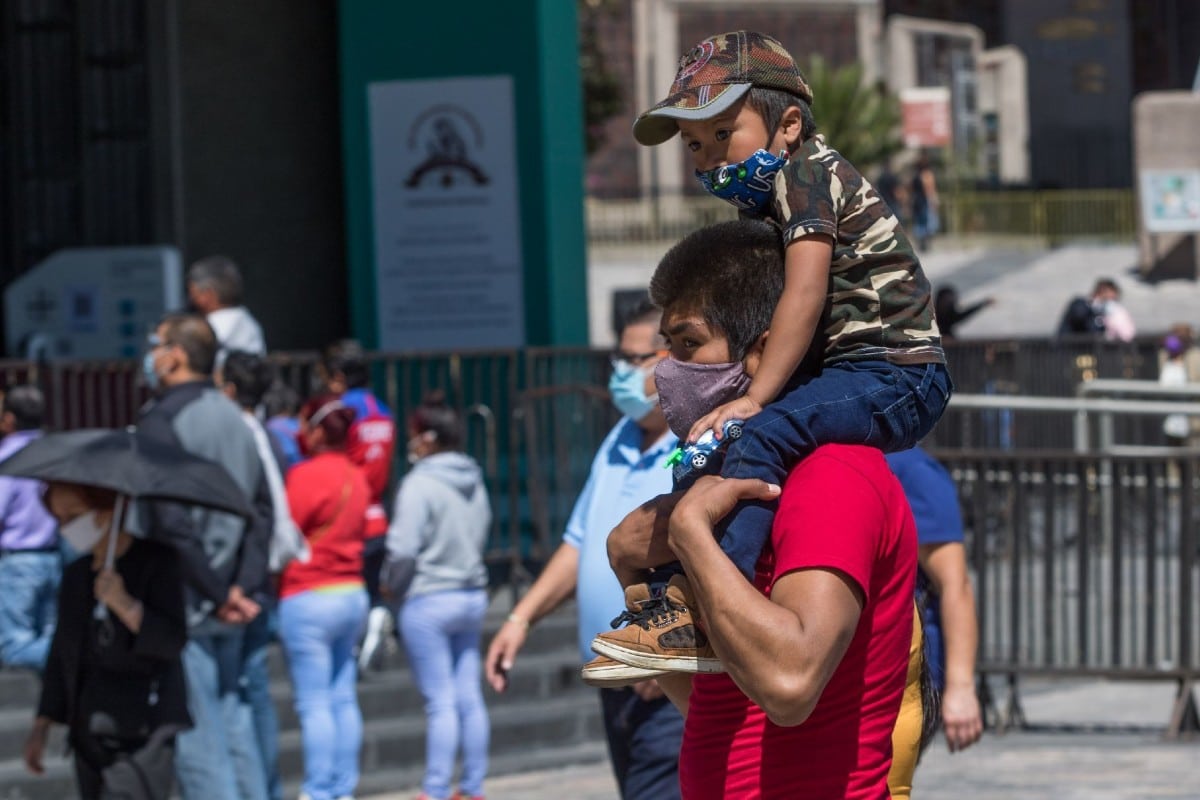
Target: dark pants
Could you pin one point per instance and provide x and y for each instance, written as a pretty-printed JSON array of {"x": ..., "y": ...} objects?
[
  {"x": 115, "y": 769},
  {"x": 875, "y": 403},
  {"x": 643, "y": 744},
  {"x": 374, "y": 554}
]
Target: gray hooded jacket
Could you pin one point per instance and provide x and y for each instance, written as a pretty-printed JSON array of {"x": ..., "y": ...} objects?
[{"x": 439, "y": 528}]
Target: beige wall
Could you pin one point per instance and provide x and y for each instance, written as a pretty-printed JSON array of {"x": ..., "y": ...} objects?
[
  {"x": 1165, "y": 126},
  {"x": 1002, "y": 89}
]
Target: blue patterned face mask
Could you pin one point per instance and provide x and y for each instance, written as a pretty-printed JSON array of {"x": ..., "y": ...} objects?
[{"x": 747, "y": 184}]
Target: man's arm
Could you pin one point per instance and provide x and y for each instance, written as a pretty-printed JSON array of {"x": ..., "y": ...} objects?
[
  {"x": 782, "y": 651},
  {"x": 639, "y": 542},
  {"x": 253, "y": 554},
  {"x": 945, "y": 564},
  {"x": 556, "y": 583}
]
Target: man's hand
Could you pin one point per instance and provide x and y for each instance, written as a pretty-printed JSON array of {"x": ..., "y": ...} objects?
[
  {"x": 237, "y": 608},
  {"x": 502, "y": 653},
  {"x": 742, "y": 408},
  {"x": 639, "y": 542},
  {"x": 35, "y": 745},
  {"x": 962, "y": 719},
  {"x": 110, "y": 590},
  {"x": 708, "y": 501}
]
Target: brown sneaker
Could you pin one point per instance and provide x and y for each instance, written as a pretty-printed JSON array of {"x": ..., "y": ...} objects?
[
  {"x": 662, "y": 635},
  {"x": 604, "y": 673}
]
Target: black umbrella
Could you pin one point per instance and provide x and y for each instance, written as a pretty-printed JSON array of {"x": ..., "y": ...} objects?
[{"x": 130, "y": 464}]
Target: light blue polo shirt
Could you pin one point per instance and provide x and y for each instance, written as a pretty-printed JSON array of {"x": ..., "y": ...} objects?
[{"x": 621, "y": 479}]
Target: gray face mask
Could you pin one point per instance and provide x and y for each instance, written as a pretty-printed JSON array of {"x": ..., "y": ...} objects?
[{"x": 688, "y": 391}]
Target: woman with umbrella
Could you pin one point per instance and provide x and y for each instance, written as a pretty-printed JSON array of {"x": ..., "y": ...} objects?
[{"x": 113, "y": 675}]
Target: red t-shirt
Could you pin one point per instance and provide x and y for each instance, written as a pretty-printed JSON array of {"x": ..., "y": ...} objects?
[
  {"x": 370, "y": 445},
  {"x": 328, "y": 496},
  {"x": 841, "y": 509}
]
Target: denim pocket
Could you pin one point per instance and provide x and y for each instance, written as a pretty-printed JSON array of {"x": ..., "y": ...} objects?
[{"x": 895, "y": 428}]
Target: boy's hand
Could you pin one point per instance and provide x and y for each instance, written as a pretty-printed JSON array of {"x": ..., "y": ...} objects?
[{"x": 742, "y": 408}]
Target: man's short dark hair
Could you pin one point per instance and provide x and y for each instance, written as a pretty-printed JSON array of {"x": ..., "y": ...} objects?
[
  {"x": 27, "y": 404},
  {"x": 770, "y": 105},
  {"x": 220, "y": 274},
  {"x": 192, "y": 334},
  {"x": 347, "y": 357},
  {"x": 730, "y": 274},
  {"x": 251, "y": 375},
  {"x": 1106, "y": 284}
]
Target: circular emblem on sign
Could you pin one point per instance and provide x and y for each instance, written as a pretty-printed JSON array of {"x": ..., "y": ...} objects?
[{"x": 695, "y": 60}]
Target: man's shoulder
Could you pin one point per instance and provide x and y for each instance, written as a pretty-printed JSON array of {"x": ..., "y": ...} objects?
[{"x": 869, "y": 461}]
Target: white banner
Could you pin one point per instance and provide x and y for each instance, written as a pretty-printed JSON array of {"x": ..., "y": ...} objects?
[
  {"x": 1170, "y": 200},
  {"x": 448, "y": 263}
]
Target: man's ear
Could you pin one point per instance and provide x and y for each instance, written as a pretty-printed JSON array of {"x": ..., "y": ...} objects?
[
  {"x": 754, "y": 354},
  {"x": 792, "y": 127}
]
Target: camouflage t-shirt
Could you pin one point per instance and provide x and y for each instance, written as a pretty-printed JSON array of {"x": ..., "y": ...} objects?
[{"x": 879, "y": 305}]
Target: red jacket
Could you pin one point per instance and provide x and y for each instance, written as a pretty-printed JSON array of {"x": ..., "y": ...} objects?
[{"x": 328, "y": 496}]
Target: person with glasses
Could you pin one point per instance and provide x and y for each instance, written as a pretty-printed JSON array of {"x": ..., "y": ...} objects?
[
  {"x": 644, "y": 730},
  {"x": 224, "y": 559}
]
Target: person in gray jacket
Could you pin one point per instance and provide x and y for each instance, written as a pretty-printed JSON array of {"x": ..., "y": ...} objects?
[
  {"x": 223, "y": 559},
  {"x": 435, "y": 563}
]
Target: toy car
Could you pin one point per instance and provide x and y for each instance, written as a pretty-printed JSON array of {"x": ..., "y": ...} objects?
[{"x": 699, "y": 456}]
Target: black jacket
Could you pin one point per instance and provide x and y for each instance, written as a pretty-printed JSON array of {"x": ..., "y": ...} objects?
[{"x": 99, "y": 673}]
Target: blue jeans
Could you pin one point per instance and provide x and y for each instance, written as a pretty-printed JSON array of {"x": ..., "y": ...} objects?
[
  {"x": 643, "y": 744},
  {"x": 875, "y": 403},
  {"x": 28, "y": 607},
  {"x": 319, "y": 630},
  {"x": 441, "y": 633},
  {"x": 256, "y": 694},
  {"x": 218, "y": 758}
]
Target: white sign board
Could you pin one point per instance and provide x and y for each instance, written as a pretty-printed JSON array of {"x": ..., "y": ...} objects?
[
  {"x": 448, "y": 265},
  {"x": 91, "y": 302},
  {"x": 1170, "y": 200}
]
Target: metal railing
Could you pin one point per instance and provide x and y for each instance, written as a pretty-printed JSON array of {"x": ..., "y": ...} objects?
[
  {"x": 1085, "y": 561},
  {"x": 1084, "y": 565},
  {"x": 1049, "y": 217}
]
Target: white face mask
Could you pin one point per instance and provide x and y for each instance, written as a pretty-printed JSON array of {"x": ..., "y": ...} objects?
[{"x": 83, "y": 532}]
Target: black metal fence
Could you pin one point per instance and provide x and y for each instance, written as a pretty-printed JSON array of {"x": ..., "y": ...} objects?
[{"x": 1085, "y": 565}]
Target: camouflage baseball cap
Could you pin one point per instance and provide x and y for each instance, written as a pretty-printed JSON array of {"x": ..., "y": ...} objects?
[{"x": 717, "y": 73}]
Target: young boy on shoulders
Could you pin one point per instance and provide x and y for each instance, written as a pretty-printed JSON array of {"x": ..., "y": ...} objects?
[{"x": 856, "y": 306}]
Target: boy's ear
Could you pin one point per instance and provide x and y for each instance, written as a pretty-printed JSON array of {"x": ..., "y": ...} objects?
[
  {"x": 754, "y": 354},
  {"x": 792, "y": 126}
]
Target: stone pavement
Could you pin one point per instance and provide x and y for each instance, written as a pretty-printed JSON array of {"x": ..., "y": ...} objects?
[{"x": 1089, "y": 739}]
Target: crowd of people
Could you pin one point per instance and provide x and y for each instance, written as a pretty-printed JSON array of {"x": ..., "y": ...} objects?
[
  {"x": 793, "y": 608},
  {"x": 170, "y": 685}
]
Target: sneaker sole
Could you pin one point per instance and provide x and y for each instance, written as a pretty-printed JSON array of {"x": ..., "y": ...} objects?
[
  {"x": 636, "y": 658},
  {"x": 615, "y": 676}
]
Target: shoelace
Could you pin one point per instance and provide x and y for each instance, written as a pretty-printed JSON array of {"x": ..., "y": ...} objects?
[{"x": 651, "y": 610}]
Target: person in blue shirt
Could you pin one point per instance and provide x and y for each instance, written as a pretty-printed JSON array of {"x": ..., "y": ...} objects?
[
  {"x": 644, "y": 729},
  {"x": 944, "y": 592}
]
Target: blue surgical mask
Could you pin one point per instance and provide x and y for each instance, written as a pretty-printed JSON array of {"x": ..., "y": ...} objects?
[
  {"x": 628, "y": 389},
  {"x": 748, "y": 184},
  {"x": 148, "y": 371}
]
